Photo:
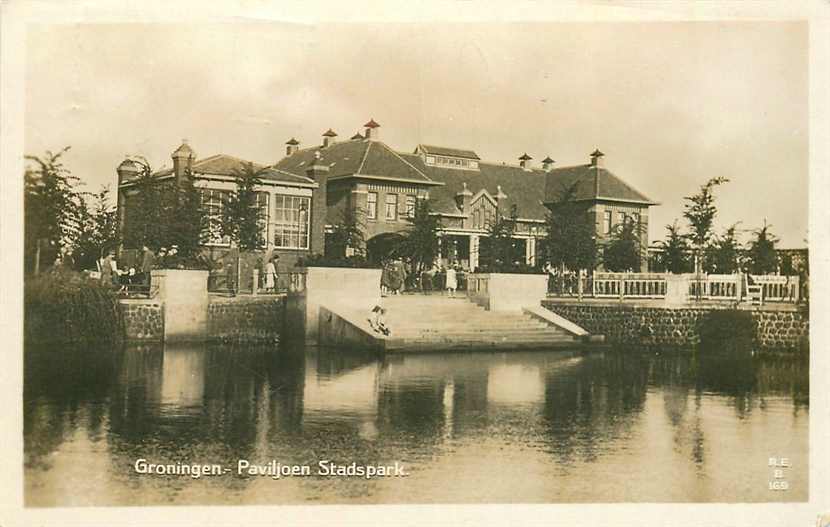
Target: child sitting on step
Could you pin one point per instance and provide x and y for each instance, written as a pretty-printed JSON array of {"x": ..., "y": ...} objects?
[{"x": 378, "y": 323}]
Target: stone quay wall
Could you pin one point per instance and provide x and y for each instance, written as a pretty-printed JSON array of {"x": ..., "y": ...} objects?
[
  {"x": 246, "y": 318},
  {"x": 776, "y": 330},
  {"x": 143, "y": 320}
]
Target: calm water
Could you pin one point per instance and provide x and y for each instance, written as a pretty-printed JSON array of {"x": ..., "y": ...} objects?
[{"x": 484, "y": 427}]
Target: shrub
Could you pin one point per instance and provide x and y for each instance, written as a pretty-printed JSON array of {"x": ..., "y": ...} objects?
[
  {"x": 727, "y": 330},
  {"x": 65, "y": 306}
]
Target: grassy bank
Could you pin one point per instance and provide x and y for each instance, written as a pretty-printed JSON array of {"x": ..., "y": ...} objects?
[{"x": 64, "y": 306}]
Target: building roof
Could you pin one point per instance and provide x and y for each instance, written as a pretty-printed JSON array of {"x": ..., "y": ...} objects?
[
  {"x": 357, "y": 136},
  {"x": 524, "y": 188},
  {"x": 525, "y": 157},
  {"x": 547, "y": 160},
  {"x": 372, "y": 124},
  {"x": 184, "y": 150},
  {"x": 444, "y": 151},
  {"x": 292, "y": 142},
  {"x": 225, "y": 165},
  {"x": 357, "y": 159},
  {"x": 583, "y": 180},
  {"x": 329, "y": 133}
]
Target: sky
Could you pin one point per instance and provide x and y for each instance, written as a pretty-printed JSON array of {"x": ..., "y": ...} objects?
[{"x": 671, "y": 104}]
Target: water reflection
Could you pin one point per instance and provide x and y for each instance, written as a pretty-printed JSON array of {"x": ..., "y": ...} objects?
[{"x": 556, "y": 426}]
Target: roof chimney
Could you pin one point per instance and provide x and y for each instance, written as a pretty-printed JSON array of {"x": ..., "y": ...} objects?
[
  {"x": 328, "y": 137},
  {"x": 596, "y": 158},
  {"x": 547, "y": 164},
  {"x": 524, "y": 161},
  {"x": 291, "y": 146},
  {"x": 182, "y": 160},
  {"x": 372, "y": 132}
]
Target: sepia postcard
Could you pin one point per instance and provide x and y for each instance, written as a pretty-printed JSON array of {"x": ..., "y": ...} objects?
[{"x": 425, "y": 263}]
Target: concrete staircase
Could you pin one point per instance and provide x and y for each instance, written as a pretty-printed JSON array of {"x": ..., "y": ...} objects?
[{"x": 440, "y": 323}]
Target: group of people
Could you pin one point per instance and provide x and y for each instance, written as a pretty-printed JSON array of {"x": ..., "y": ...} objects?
[
  {"x": 393, "y": 278},
  {"x": 451, "y": 275},
  {"x": 114, "y": 276}
]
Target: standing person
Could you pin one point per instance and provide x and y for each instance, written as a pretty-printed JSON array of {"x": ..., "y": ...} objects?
[
  {"x": 161, "y": 259},
  {"x": 451, "y": 281},
  {"x": 148, "y": 260},
  {"x": 396, "y": 277},
  {"x": 386, "y": 278}
]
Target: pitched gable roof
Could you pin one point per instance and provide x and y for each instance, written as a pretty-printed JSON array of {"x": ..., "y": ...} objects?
[
  {"x": 226, "y": 165},
  {"x": 372, "y": 159},
  {"x": 524, "y": 188},
  {"x": 583, "y": 180}
]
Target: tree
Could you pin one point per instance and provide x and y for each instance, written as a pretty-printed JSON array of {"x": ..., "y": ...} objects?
[
  {"x": 52, "y": 207},
  {"x": 700, "y": 212},
  {"x": 761, "y": 257},
  {"x": 99, "y": 229},
  {"x": 420, "y": 241},
  {"x": 347, "y": 235},
  {"x": 570, "y": 242},
  {"x": 242, "y": 215},
  {"x": 498, "y": 251},
  {"x": 674, "y": 251},
  {"x": 145, "y": 211},
  {"x": 721, "y": 256},
  {"x": 624, "y": 250},
  {"x": 165, "y": 213}
]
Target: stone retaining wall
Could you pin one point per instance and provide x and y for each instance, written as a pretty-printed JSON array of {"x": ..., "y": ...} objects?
[
  {"x": 246, "y": 318},
  {"x": 672, "y": 327},
  {"x": 143, "y": 320}
]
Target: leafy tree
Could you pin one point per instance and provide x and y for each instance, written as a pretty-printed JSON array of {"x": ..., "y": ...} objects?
[
  {"x": 242, "y": 216},
  {"x": 498, "y": 251},
  {"x": 145, "y": 210},
  {"x": 165, "y": 213},
  {"x": 674, "y": 251},
  {"x": 420, "y": 241},
  {"x": 347, "y": 237},
  {"x": 99, "y": 229},
  {"x": 723, "y": 253},
  {"x": 185, "y": 220},
  {"x": 52, "y": 206},
  {"x": 624, "y": 250},
  {"x": 570, "y": 242},
  {"x": 700, "y": 212},
  {"x": 761, "y": 257}
]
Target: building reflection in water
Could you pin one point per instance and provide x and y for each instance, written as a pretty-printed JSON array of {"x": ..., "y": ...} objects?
[{"x": 569, "y": 412}]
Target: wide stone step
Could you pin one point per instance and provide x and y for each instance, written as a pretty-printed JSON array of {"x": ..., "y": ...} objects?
[
  {"x": 474, "y": 345},
  {"x": 484, "y": 336}
]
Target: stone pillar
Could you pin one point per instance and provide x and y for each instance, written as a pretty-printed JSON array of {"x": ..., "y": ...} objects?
[
  {"x": 474, "y": 248},
  {"x": 677, "y": 289},
  {"x": 530, "y": 251},
  {"x": 185, "y": 298}
]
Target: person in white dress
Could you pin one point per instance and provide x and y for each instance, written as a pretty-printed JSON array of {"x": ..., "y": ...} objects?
[
  {"x": 270, "y": 276},
  {"x": 452, "y": 280}
]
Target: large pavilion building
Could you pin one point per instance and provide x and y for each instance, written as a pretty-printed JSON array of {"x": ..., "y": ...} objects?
[
  {"x": 310, "y": 189},
  {"x": 364, "y": 174}
]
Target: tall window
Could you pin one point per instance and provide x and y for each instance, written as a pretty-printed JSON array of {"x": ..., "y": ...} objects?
[
  {"x": 410, "y": 206},
  {"x": 391, "y": 207},
  {"x": 213, "y": 202},
  {"x": 372, "y": 205},
  {"x": 606, "y": 223},
  {"x": 621, "y": 218},
  {"x": 262, "y": 205},
  {"x": 291, "y": 221}
]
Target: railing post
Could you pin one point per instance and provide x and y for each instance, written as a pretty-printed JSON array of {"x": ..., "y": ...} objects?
[
  {"x": 579, "y": 284},
  {"x": 255, "y": 286}
]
